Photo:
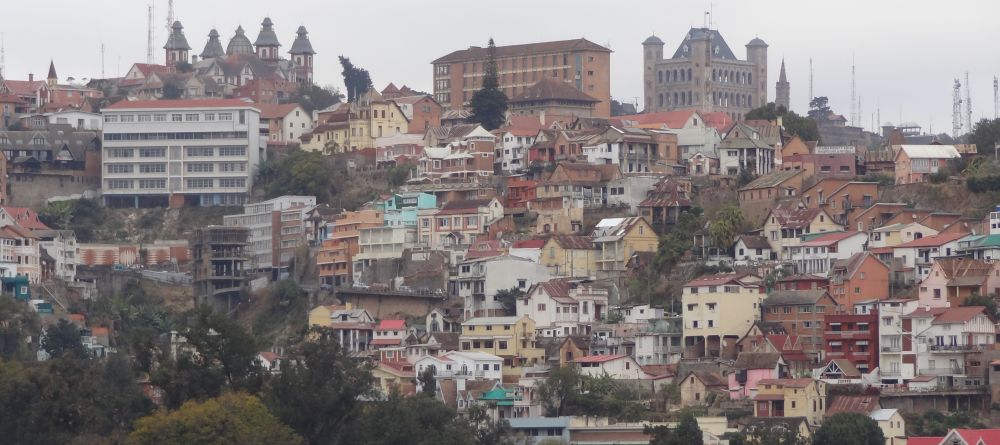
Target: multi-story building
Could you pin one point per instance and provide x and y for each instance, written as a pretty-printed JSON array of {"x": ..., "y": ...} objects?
[
  {"x": 478, "y": 280},
  {"x": 952, "y": 280},
  {"x": 944, "y": 339},
  {"x": 570, "y": 256},
  {"x": 218, "y": 258},
  {"x": 583, "y": 64},
  {"x": 634, "y": 150},
  {"x": 178, "y": 153},
  {"x": 468, "y": 154},
  {"x": 336, "y": 254},
  {"x": 915, "y": 163},
  {"x": 422, "y": 111},
  {"x": 457, "y": 222},
  {"x": 380, "y": 243},
  {"x": 705, "y": 75},
  {"x": 461, "y": 366},
  {"x": 554, "y": 100},
  {"x": 61, "y": 246},
  {"x": 784, "y": 228},
  {"x": 919, "y": 255},
  {"x": 744, "y": 149},
  {"x": 897, "y": 362},
  {"x": 585, "y": 184},
  {"x": 616, "y": 239},
  {"x": 801, "y": 313},
  {"x": 816, "y": 254},
  {"x": 564, "y": 307},
  {"x": 277, "y": 228},
  {"x": 351, "y": 126},
  {"x": 709, "y": 333},
  {"x": 803, "y": 397},
  {"x": 401, "y": 209},
  {"x": 282, "y": 125},
  {"x": 859, "y": 277},
  {"x": 853, "y": 337},
  {"x": 510, "y": 338}
]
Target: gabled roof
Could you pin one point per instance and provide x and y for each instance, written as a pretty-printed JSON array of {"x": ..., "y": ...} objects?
[
  {"x": 475, "y": 52},
  {"x": 794, "y": 297},
  {"x": 722, "y": 279},
  {"x": 391, "y": 325},
  {"x": 672, "y": 119},
  {"x": 754, "y": 242},
  {"x": 599, "y": 358},
  {"x": 574, "y": 242},
  {"x": 757, "y": 360},
  {"x": 953, "y": 268},
  {"x": 930, "y": 151},
  {"x": 552, "y": 89},
  {"x": 719, "y": 49},
  {"x": 275, "y": 111},
  {"x": 850, "y": 403},
  {"x": 709, "y": 378},
  {"x": 796, "y": 218},
  {"x": 772, "y": 180},
  {"x": 959, "y": 314},
  {"x": 976, "y": 437},
  {"x": 933, "y": 240},
  {"x": 830, "y": 239},
  {"x": 851, "y": 264}
]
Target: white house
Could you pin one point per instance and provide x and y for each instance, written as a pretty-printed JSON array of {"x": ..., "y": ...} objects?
[
  {"x": 462, "y": 366},
  {"x": 479, "y": 279},
  {"x": 920, "y": 253},
  {"x": 816, "y": 255},
  {"x": 512, "y": 148},
  {"x": 943, "y": 337},
  {"x": 751, "y": 248},
  {"x": 563, "y": 307},
  {"x": 618, "y": 366},
  {"x": 892, "y": 348},
  {"x": 270, "y": 361},
  {"x": 61, "y": 246},
  {"x": 637, "y": 313},
  {"x": 80, "y": 120}
]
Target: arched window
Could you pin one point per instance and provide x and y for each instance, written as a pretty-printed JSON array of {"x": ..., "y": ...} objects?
[
  {"x": 659, "y": 75},
  {"x": 689, "y": 74},
  {"x": 749, "y": 78},
  {"x": 674, "y": 102},
  {"x": 750, "y": 99},
  {"x": 689, "y": 97},
  {"x": 713, "y": 75},
  {"x": 661, "y": 99},
  {"x": 682, "y": 75}
]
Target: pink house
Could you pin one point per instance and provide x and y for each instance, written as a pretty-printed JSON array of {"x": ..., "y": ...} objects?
[
  {"x": 951, "y": 280},
  {"x": 752, "y": 367}
]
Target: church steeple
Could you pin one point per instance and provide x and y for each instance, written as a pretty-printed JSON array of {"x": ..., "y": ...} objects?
[
  {"x": 177, "y": 46},
  {"x": 52, "y": 78},
  {"x": 267, "y": 41},
  {"x": 782, "y": 93},
  {"x": 213, "y": 48}
]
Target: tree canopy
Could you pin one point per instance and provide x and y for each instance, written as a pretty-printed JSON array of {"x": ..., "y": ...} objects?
[
  {"x": 819, "y": 108},
  {"x": 566, "y": 391},
  {"x": 64, "y": 339},
  {"x": 686, "y": 433},
  {"x": 796, "y": 125},
  {"x": 356, "y": 79},
  {"x": 229, "y": 419},
  {"x": 300, "y": 173},
  {"x": 985, "y": 134},
  {"x": 313, "y": 97},
  {"x": 849, "y": 429},
  {"x": 727, "y": 224},
  {"x": 489, "y": 103},
  {"x": 17, "y": 325}
]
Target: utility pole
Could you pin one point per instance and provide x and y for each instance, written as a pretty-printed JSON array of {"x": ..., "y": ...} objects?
[
  {"x": 854, "y": 96},
  {"x": 102, "y": 61},
  {"x": 968, "y": 105},
  {"x": 149, "y": 35}
]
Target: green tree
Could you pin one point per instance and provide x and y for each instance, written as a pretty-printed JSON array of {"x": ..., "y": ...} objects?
[
  {"x": 985, "y": 134},
  {"x": 399, "y": 174},
  {"x": 508, "y": 299},
  {"x": 819, "y": 110},
  {"x": 849, "y": 429},
  {"x": 803, "y": 127},
  {"x": 63, "y": 339},
  {"x": 300, "y": 173},
  {"x": 489, "y": 103},
  {"x": 228, "y": 419},
  {"x": 84, "y": 216},
  {"x": 725, "y": 226},
  {"x": 428, "y": 383},
  {"x": 559, "y": 388},
  {"x": 17, "y": 325},
  {"x": 320, "y": 394},
  {"x": 768, "y": 435},
  {"x": 356, "y": 80},
  {"x": 313, "y": 97},
  {"x": 686, "y": 433},
  {"x": 987, "y": 301}
]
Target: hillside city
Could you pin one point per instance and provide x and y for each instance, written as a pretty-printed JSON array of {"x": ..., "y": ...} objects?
[{"x": 221, "y": 248}]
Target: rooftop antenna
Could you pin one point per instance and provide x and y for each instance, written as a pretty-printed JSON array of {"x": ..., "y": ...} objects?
[
  {"x": 3, "y": 63},
  {"x": 854, "y": 96},
  {"x": 956, "y": 109},
  {"x": 149, "y": 35},
  {"x": 102, "y": 61},
  {"x": 968, "y": 105}
]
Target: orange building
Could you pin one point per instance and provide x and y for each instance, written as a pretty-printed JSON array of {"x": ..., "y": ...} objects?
[
  {"x": 860, "y": 277},
  {"x": 582, "y": 63},
  {"x": 801, "y": 314},
  {"x": 337, "y": 251}
]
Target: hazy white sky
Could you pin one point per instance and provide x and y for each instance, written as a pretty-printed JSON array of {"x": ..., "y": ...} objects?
[{"x": 907, "y": 53}]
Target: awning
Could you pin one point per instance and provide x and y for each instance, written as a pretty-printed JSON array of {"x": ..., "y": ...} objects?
[{"x": 767, "y": 397}]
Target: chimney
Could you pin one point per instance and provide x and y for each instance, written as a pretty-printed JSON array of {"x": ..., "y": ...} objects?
[
  {"x": 541, "y": 117},
  {"x": 31, "y": 77},
  {"x": 194, "y": 60}
]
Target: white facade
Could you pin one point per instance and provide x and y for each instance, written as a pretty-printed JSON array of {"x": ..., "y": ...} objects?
[
  {"x": 618, "y": 367},
  {"x": 479, "y": 280},
  {"x": 203, "y": 151},
  {"x": 816, "y": 259},
  {"x": 561, "y": 315},
  {"x": 512, "y": 151},
  {"x": 631, "y": 190},
  {"x": 921, "y": 259},
  {"x": 79, "y": 120},
  {"x": 891, "y": 334},
  {"x": 61, "y": 245},
  {"x": 462, "y": 365},
  {"x": 941, "y": 347},
  {"x": 293, "y": 125},
  {"x": 641, "y": 313},
  {"x": 378, "y": 243},
  {"x": 258, "y": 217}
]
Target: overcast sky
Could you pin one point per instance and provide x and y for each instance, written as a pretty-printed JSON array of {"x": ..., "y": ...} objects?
[{"x": 907, "y": 53}]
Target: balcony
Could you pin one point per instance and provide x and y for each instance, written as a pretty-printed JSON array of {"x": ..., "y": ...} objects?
[
  {"x": 478, "y": 373},
  {"x": 955, "y": 348},
  {"x": 941, "y": 371},
  {"x": 892, "y": 349},
  {"x": 849, "y": 334}
]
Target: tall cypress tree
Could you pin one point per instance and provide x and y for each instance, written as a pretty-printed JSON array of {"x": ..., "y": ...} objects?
[{"x": 489, "y": 104}]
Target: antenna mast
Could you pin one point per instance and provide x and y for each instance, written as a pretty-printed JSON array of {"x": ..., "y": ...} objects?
[
  {"x": 102, "y": 61},
  {"x": 968, "y": 105},
  {"x": 810, "y": 79},
  {"x": 3, "y": 64},
  {"x": 956, "y": 109},
  {"x": 149, "y": 36},
  {"x": 854, "y": 97},
  {"x": 996, "y": 97},
  {"x": 170, "y": 15}
]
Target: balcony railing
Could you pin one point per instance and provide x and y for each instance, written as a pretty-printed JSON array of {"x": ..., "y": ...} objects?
[
  {"x": 955, "y": 348},
  {"x": 942, "y": 371},
  {"x": 848, "y": 334},
  {"x": 892, "y": 349}
]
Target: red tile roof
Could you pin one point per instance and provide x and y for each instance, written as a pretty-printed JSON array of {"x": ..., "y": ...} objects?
[
  {"x": 718, "y": 120},
  {"x": 672, "y": 119},
  {"x": 986, "y": 436},
  {"x": 386, "y": 341},
  {"x": 25, "y": 217},
  {"x": 933, "y": 241},
  {"x": 23, "y": 87},
  {"x": 275, "y": 111},
  {"x": 529, "y": 244},
  {"x": 391, "y": 325},
  {"x": 599, "y": 358},
  {"x": 269, "y": 356},
  {"x": 828, "y": 239},
  {"x": 551, "y": 89},
  {"x": 846, "y": 403},
  {"x": 523, "y": 125},
  {"x": 181, "y": 103},
  {"x": 960, "y": 314},
  {"x": 913, "y": 440}
]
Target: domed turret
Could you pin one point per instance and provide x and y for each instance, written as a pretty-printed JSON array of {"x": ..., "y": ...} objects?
[
  {"x": 302, "y": 56},
  {"x": 239, "y": 43},
  {"x": 267, "y": 41},
  {"x": 177, "y": 46}
]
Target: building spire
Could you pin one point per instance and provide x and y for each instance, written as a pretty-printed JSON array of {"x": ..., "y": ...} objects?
[{"x": 781, "y": 76}]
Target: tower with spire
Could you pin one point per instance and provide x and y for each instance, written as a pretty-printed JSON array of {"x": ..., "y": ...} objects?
[
  {"x": 239, "y": 43},
  {"x": 177, "y": 46},
  {"x": 267, "y": 41},
  {"x": 213, "y": 48},
  {"x": 302, "y": 56},
  {"x": 782, "y": 93},
  {"x": 52, "y": 79}
]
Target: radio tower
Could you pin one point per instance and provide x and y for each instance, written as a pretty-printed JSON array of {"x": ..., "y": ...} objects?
[
  {"x": 854, "y": 97},
  {"x": 968, "y": 105},
  {"x": 810, "y": 79},
  {"x": 102, "y": 61},
  {"x": 149, "y": 36},
  {"x": 4, "y": 64},
  {"x": 170, "y": 16},
  {"x": 956, "y": 109},
  {"x": 996, "y": 97}
]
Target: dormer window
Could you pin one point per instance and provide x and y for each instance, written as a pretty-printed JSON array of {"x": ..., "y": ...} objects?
[{"x": 716, "y": 50}]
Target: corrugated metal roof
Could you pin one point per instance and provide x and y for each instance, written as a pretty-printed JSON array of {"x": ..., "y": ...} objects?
[{"x": 930, "y": 151}]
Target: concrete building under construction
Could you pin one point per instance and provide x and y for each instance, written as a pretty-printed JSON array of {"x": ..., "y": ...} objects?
[{"x": 219, "y": 255}]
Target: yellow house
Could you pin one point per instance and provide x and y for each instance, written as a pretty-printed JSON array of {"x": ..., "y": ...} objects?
[
  {"x": 320, "y": 315},
  {"x": 784, "y": 228},
  {"x": 570, "y": 256},
  {"x": 892, "y": 424},
  {"x": 510, "y": 338},
  {"x": 805, "y": 397},
  {"x": 893, "y": 235},
  {"x": 395, "y": 375},
  {"x": 718, "y": 310},
  {"x": 616, "y": 239},
  {"x": 347, "y": 127}
]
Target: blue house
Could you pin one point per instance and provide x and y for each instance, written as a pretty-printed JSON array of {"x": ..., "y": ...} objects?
[
  {"x": 400, "y": 209},
  {"x": 18, "y": 286}
]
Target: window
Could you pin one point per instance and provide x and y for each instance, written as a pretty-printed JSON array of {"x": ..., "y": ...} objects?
[
  {"x": 232, "y": 151},
  {"x": 209, "y": 116},
  {"x": 152, "y": 183},
  {"x": 160, "y": 117},
  {"x": 152, "y": 152},
  {"x": 200, "y": 168},
  {"x": 199, "y": 183},
  {"x": 200, "y": 151},
  {"x": 145, "y": 118},
  {"x": 541, "y": 306},
  {"x": 502, "y": 344},
  {"x": 119, "y": 168},
  {"x": 232, "y": 167},
  {"x": 176, "y": 118},
  {"x": 119, "y": 184},
  {"x": 192, "y": 117},
  {"x": 121, "y": 153},
  {"x": 111, "y": 118},
  {"x": 225, "y": 116}
]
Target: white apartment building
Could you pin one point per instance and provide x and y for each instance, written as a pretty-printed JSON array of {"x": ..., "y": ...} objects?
[
  {"x": 895, "y": 341},
  {"x": 177, "y": 153},
  {"x": 61, "y": 246},
  {"x": 261, "y": 219},
  {"x": 563, "y": 307},
  {"x": 378, "y": 243},
  {"x": 478, "y": 281},
  {"x": 462, "y": 366}
]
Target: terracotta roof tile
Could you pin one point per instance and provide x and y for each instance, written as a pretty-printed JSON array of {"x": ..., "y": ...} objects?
[{"x": 476, "y": 52}]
